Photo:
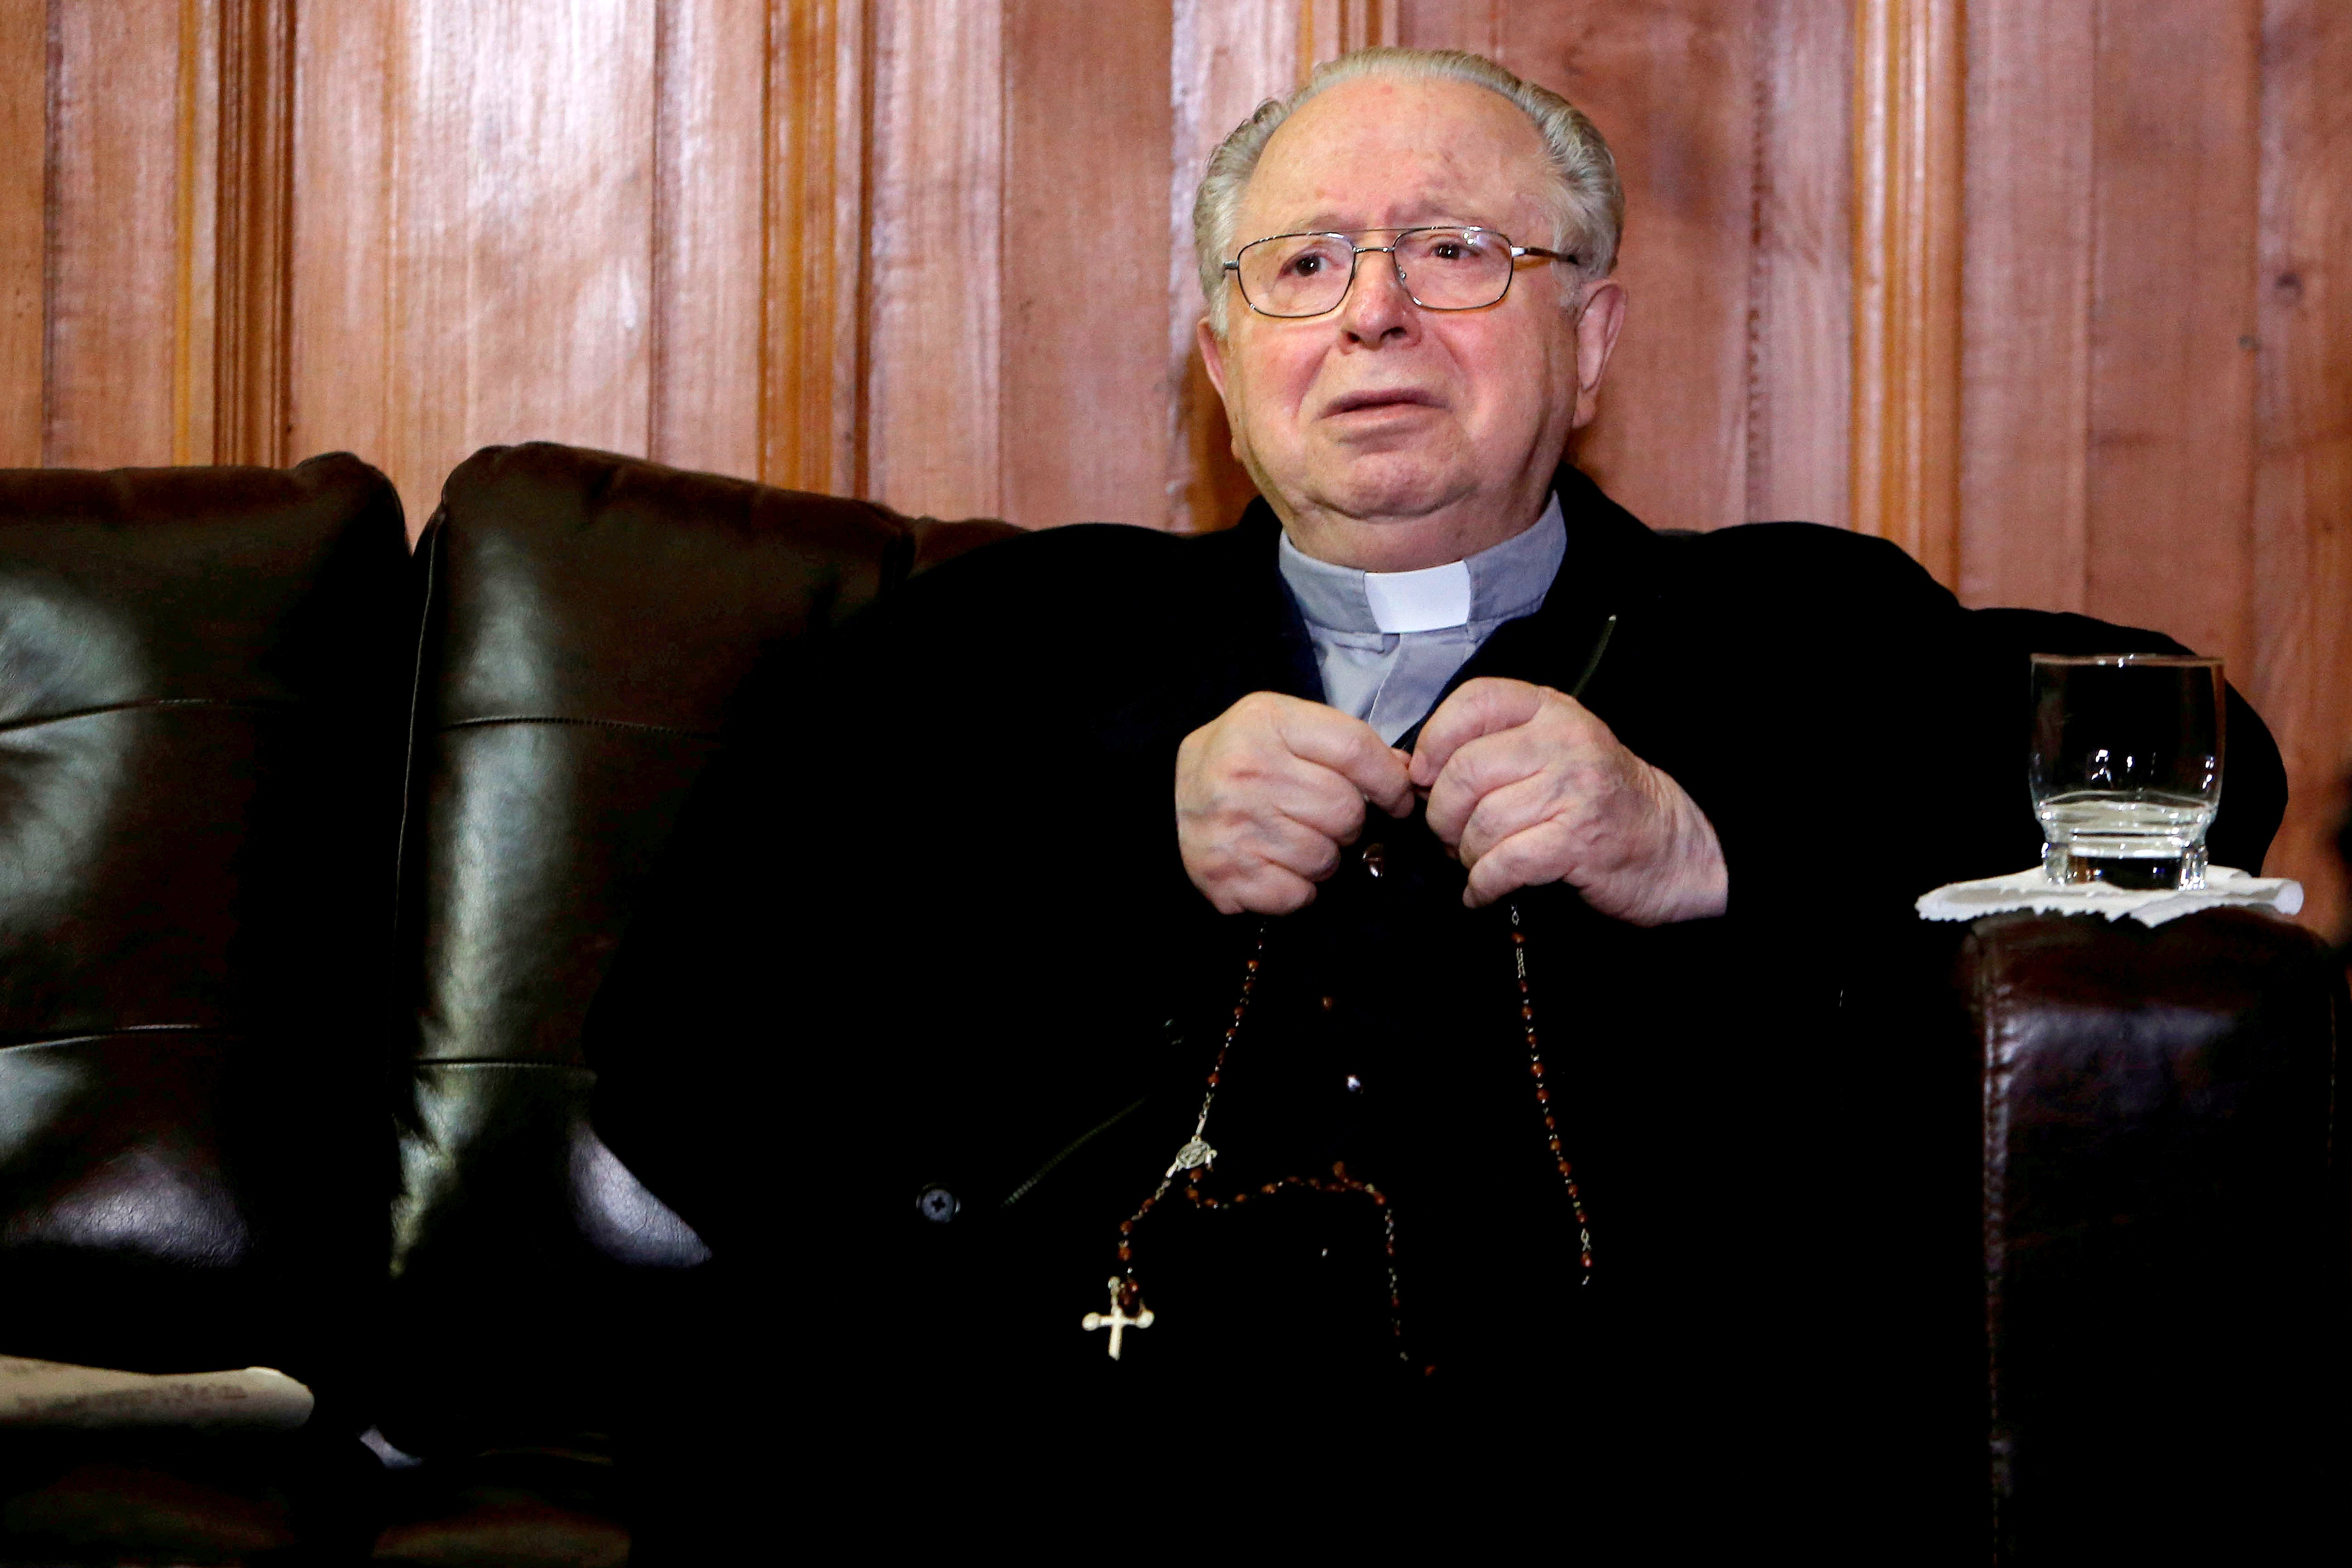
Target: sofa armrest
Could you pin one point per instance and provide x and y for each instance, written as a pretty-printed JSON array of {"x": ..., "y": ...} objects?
[{"x": 2166, "y": 1228}]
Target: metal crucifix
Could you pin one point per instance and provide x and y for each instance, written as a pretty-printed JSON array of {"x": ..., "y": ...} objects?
[{"x": 1116, "y": 1320}]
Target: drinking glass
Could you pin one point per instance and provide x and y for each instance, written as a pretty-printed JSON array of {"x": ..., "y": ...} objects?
[{"x": 2126, "y": 766}]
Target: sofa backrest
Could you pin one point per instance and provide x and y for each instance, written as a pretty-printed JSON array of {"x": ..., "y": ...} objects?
[
  {"x": 202, "y": 672},
  {"x": 589, "y": 620}
]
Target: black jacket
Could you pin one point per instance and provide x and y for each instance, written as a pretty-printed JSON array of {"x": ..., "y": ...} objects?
[{"x": 925, "y": 1005}]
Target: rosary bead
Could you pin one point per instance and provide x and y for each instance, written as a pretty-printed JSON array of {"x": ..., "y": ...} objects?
[
  {"x": 1543, "y": 1096},
  {"x": 1536, "y": 1068},
  {"x": 1126, "y": 1227},
  {"x": 1213, "y": 1081},
  {"x": 1124, "y": 1254},
  {"x": 1339, "y": 1168},
  {"x": 1527, "y": 1010},
  {"x": 1555, "y": 1145}
]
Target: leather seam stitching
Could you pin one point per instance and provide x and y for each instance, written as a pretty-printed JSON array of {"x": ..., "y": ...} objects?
[
  {"x": 591, "y": 723},
  {"x": 88, "y": 1035},
  {"x": 239, "y": 704}
]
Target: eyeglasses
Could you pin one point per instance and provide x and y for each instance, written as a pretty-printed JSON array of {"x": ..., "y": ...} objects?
[{"x": 1289, "y": 276}]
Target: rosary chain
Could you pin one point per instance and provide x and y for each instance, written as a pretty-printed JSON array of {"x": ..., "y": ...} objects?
[
  {"x": 1197, "y": 1156},
  {"x": 1543, "y": 1102}
]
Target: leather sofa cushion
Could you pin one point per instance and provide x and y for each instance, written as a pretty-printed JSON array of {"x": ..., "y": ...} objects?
[
  {"x": 200, "y": 703},
  {"x": 592, "y": 617}
]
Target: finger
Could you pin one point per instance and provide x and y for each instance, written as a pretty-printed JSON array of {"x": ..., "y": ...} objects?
[
  {"x": 1518, "y": 862},
  {"x": 1477, "y": 707},
  {"x": 1478, "y": 768},
  {"x": 1322, "y": 800},
  {"x": 1513, "y": 808},
  {"x": 1353, "y": 750},
  {"x": 1296, "y": 847},
  {"x": 1271, "y": 891}
]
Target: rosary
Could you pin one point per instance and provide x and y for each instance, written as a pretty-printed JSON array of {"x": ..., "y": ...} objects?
[{"x": 1196, "y": 1162}]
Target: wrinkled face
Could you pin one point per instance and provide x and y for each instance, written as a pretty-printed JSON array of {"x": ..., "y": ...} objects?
[{"x": 1386, "y": 436}]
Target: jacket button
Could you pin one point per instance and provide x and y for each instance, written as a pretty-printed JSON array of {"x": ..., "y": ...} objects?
[{"x": 937, "y": 1204}]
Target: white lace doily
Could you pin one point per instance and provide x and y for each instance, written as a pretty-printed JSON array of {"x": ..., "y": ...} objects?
[{"x": 2226, "y": 887}]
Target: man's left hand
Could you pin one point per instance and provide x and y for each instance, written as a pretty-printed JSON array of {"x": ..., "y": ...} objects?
[{"x": 1527, "y": 787}]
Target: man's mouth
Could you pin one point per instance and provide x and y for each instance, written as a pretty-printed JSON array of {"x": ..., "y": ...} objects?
[{"x": 1397, "y": 398}]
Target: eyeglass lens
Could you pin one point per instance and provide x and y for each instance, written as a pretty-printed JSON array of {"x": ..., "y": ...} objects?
[{"x": 1443, "y": 268}]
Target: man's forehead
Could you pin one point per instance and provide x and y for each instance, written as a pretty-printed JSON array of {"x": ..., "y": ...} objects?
[{"x": 1388, "y": 152}]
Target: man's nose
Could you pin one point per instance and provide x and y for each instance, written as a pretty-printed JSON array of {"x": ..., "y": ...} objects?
[{"x": 1379, "y": 308}]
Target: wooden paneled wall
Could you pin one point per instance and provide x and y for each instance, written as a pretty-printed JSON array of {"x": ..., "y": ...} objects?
[
  {"x": 2155, "y": 364},
  {"x": 2051, "y": 291}
]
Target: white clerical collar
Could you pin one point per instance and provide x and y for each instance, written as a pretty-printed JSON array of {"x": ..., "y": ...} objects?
[{"x": 1498, "y": 584}]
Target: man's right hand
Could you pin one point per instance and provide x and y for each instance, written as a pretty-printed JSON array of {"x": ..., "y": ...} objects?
[{"x": 1269, "y": 791}]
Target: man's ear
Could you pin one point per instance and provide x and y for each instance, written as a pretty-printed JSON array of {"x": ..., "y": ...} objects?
[
  {"x": 1213, "y": 353},
  {"x": 1598, "y": 321}
]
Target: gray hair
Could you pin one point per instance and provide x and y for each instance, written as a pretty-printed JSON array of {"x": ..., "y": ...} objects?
[{"x": 1587, "y": 206}]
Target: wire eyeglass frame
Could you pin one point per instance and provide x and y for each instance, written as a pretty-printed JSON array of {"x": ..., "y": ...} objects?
[{"x": 1399, "y": 237}]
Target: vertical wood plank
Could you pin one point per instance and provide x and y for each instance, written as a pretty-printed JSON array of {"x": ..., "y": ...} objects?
[
  {"x": 1330, "y": 28},
  {"x": 816, "y": 220},
  {"x": 1800, "y": 311},
  {"x": 1474, "y": 24},
  {"x": 112, "y": 294},
  {"x": 196, "y": 263},
  {"x": 340, "y": 358},
  {"x": 253, "y": 326},
  {"x": 707, "y": 234},
  {"x": 2303, "y": 413},
  {"x": 1084, "y": 376},
  {"x": 521, "y": 248},
  {"x": 2169, "y": 483},
  {"x": 1672, "y": 85},
  {"x": 1226, "y": 58},
  {"x": 933, "y": 403},
  {"x": 24, "y": 200},
  {"x": 1908, "y": 119},
  {"x": 2025, "y": 348}
]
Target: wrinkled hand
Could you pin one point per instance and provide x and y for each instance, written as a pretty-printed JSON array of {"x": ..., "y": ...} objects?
[
  {"x": 1267, "y": 792},
  {"x": 1528, "y": 787}
]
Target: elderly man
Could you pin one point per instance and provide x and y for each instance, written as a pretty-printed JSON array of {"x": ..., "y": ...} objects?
[{"x": 1401, "y": 950}]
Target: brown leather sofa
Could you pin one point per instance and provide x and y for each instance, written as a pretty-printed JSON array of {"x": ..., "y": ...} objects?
[
  {"x": 311, "y": 857},
  {"x": 313, "y": 853}
]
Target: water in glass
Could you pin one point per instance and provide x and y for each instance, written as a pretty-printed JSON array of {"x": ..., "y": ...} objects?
[{"x": 2126, "y": 766}]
